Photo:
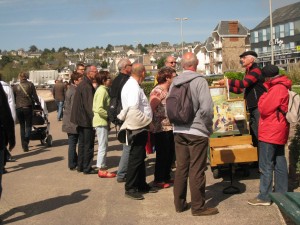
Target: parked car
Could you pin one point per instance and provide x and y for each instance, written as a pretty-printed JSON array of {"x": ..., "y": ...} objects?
[{"x": 149, "y": 78}]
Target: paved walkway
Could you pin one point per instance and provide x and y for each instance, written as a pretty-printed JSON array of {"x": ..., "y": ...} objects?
[{"x": 40, "y": 189}]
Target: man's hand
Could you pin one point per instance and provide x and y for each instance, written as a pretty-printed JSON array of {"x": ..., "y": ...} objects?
[{"x": 221, "y": 82}]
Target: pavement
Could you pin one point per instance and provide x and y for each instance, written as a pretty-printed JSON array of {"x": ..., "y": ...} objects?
[{"x": 39, "y": 189}]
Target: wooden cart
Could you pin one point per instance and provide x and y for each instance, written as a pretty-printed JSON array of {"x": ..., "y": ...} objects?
[{"x": 229, "y": 150}]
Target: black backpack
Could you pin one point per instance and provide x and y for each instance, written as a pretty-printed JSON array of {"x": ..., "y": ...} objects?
[{"x": 179, "y": 104}]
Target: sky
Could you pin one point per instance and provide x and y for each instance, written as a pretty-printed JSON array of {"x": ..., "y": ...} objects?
[{"x": 81, "y": 24}]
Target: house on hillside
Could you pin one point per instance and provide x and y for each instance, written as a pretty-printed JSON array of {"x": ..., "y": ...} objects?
[{"x": 221, "y": 51}]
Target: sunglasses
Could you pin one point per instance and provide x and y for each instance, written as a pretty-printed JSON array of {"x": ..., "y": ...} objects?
[{"x": 172, "y": 62}]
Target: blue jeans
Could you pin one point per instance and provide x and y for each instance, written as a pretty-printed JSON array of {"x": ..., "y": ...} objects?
[
  {"x": 102, "y": 137},
  {"x": 72, "y": 154},
  {"x": 123, "y": 164},
  {"x": 272, "y": 158},
  {"x": 59, "y": 105}
]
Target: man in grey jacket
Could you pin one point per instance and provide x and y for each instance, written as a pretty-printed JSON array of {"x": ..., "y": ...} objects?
[{"x": 191, "y": 142}]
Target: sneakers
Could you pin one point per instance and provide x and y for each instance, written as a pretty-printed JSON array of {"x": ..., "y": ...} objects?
[
  {"x": 206, "y": 212},
  {"x": 134, "y": 195},
  {"x": 161, "y": 184},
  {"x": 257, "y": 201},
  {"x": 184, "y": 208},
  {"x": 106, "y": 174}
]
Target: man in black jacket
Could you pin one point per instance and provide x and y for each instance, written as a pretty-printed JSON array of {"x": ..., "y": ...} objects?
[
  {"x": 82, "y": 116},
  {"x": 124, "y": 67},
  {"x": 7, "y": 130}
]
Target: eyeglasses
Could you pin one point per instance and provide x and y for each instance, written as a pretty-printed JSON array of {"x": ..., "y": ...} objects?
[
  {"x": 172, "y": 62},
  {"x": 94, "y": 71},
  {"x": 129, "y": 65}
]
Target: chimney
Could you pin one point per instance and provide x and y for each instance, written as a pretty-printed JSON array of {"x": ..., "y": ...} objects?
[{"x": 233, "y": 27}]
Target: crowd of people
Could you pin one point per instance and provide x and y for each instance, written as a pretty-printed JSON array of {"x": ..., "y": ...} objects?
[{"x": 84, "y": 108}]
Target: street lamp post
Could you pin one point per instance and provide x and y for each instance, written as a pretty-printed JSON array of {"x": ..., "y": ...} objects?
[
  {"x": 271, "y": 32},
  {"x": 181, "y": 19}
]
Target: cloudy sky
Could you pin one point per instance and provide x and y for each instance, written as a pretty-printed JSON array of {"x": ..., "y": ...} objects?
[{"x": 90, "y": 23}]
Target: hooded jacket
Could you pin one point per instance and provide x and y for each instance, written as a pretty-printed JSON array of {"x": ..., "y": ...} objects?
[
  {"x": 273, "y": 127},
  {"x": 202, "y": 102},
  {"x": 11, "y": 98}
]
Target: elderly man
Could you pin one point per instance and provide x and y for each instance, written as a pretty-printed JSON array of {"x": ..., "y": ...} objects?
[
  {"x": 191, "y": 141},
  {"x": 124, "y": 67},
  {"x": 253, "y": 88},
  {"x": 137, "y": 116},
  {"x": 169, "y": 62},
  {"x": 82, "y": 115}
]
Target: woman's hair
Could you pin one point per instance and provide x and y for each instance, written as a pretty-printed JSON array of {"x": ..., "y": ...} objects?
[
  {"x": 23, "y": 76},
  {"x": 164, "y": 73},
  {"x": 102, "y": 77},
  {"x": 75, "y": 76}
]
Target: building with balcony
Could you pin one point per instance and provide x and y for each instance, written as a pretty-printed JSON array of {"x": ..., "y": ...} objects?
[
  {"x": 286, "y": 36},
  {"x": 220, "y": 52}
]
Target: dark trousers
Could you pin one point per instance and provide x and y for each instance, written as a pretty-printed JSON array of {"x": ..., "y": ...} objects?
[
  {"x": 191, "y": 157},
  {"x": 2, "y": 149},
  {"x": 85, "y": 148},
  {"x": 72, "y": 154},
  {"x": 253, "y": 124},
  {"x": 165, "y": 150},
  {"x": 136, "y": 171},
  {"x": 25, "y": 119}
]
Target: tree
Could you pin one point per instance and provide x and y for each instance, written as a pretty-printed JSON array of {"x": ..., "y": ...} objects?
[
  {"x": 5, "y": 60},
  {"x": 109, "y": 48},
  {"x": 33, "y": 48},
  {"x": 104, "y": 64},
  {"x": 161, "y": 62}
]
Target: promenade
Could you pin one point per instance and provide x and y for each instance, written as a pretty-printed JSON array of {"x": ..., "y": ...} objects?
[{"x": 39, "y": 189}]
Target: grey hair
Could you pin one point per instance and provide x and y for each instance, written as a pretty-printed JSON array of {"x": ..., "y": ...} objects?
[
  {"x": 122, "y": 63},
  {"x": 188, "y": 62}
]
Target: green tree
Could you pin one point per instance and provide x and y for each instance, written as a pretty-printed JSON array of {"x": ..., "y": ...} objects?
[
  {"x": 104, "y": 64},
  {"x": 33, "y": 48},
  {"x": 109, "y": 48},
  {"x": 5, "y": 60},
  {"x": 161, "y": 62}
]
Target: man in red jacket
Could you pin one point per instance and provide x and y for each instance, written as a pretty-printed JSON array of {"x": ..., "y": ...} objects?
[{"x": 273, "y": 131}]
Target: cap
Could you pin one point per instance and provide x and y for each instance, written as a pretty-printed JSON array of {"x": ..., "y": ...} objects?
[
  {"x": 253, "y": 53},
  {"x": 270, "y": 71}
]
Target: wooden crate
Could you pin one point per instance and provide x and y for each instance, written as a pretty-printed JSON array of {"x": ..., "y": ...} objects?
[{"x": 233, "y": 149}]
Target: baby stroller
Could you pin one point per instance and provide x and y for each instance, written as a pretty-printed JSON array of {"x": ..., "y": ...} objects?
[{"x": 40, "y": 124}]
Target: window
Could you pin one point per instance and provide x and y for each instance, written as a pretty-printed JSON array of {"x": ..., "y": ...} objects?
[
  {"x": 291, "y": 25},
  {"x": 292, "y": 45},
  {"x": 287, "y": 29},
  {"x": 254, "y": 37},
  {"x": 297, "y": 27},
  {"x": 265, "y": 49},
  {"x": 281, "y": 28},
  {"x": 260, "y": 35},
  {"x": 277, "y": 32},
  {"x": 264, "y": 35}
]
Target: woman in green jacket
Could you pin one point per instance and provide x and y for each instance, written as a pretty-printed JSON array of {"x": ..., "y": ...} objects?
[{"x": 100, "y": 121}]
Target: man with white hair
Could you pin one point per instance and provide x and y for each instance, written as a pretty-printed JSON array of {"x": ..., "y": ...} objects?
[{"x": 252, "y": 86}]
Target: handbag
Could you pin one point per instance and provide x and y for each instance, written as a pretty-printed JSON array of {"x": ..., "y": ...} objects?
[{"x": 31, "y": 99}]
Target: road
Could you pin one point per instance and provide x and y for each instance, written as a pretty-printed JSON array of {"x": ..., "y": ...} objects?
[{"x": 40, "y": 189}]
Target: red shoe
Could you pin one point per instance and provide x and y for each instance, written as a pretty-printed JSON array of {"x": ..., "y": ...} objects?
[
  {"x": 161, "y": 185},
  {"x": 106, "y": 174}
]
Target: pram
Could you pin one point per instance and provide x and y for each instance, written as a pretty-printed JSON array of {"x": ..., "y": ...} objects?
[{"x": 40, "y": 124}]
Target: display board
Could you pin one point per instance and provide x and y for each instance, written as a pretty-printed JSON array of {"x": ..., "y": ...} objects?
[{"x": 229, "y": 114}]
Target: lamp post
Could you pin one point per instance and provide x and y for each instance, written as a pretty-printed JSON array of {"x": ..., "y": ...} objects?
[
  {"x": 271, "y": 32},
  {"x": 181, "y": 19}
]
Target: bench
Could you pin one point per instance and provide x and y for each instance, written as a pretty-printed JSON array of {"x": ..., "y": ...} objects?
[{"x": 289, "y": 203}]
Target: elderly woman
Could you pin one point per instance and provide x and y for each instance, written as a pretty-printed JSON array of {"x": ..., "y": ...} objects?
[{"x": 162, "y": 129}]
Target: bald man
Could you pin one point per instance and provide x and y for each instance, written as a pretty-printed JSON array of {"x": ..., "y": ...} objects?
[
  {"x": 191, "y": 141},
  {"x": 133, "y": 96}
]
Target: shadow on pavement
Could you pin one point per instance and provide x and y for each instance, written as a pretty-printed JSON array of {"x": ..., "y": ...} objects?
[
  {"x": 27, "y": 165},
  {"x": 60, "y": 142},
  {"x": 43, "y": 206},
  {"x": 31, "y": 152}
]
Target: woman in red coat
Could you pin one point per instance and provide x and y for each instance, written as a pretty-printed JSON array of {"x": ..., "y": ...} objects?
[{"x": 273, "y": 134}]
